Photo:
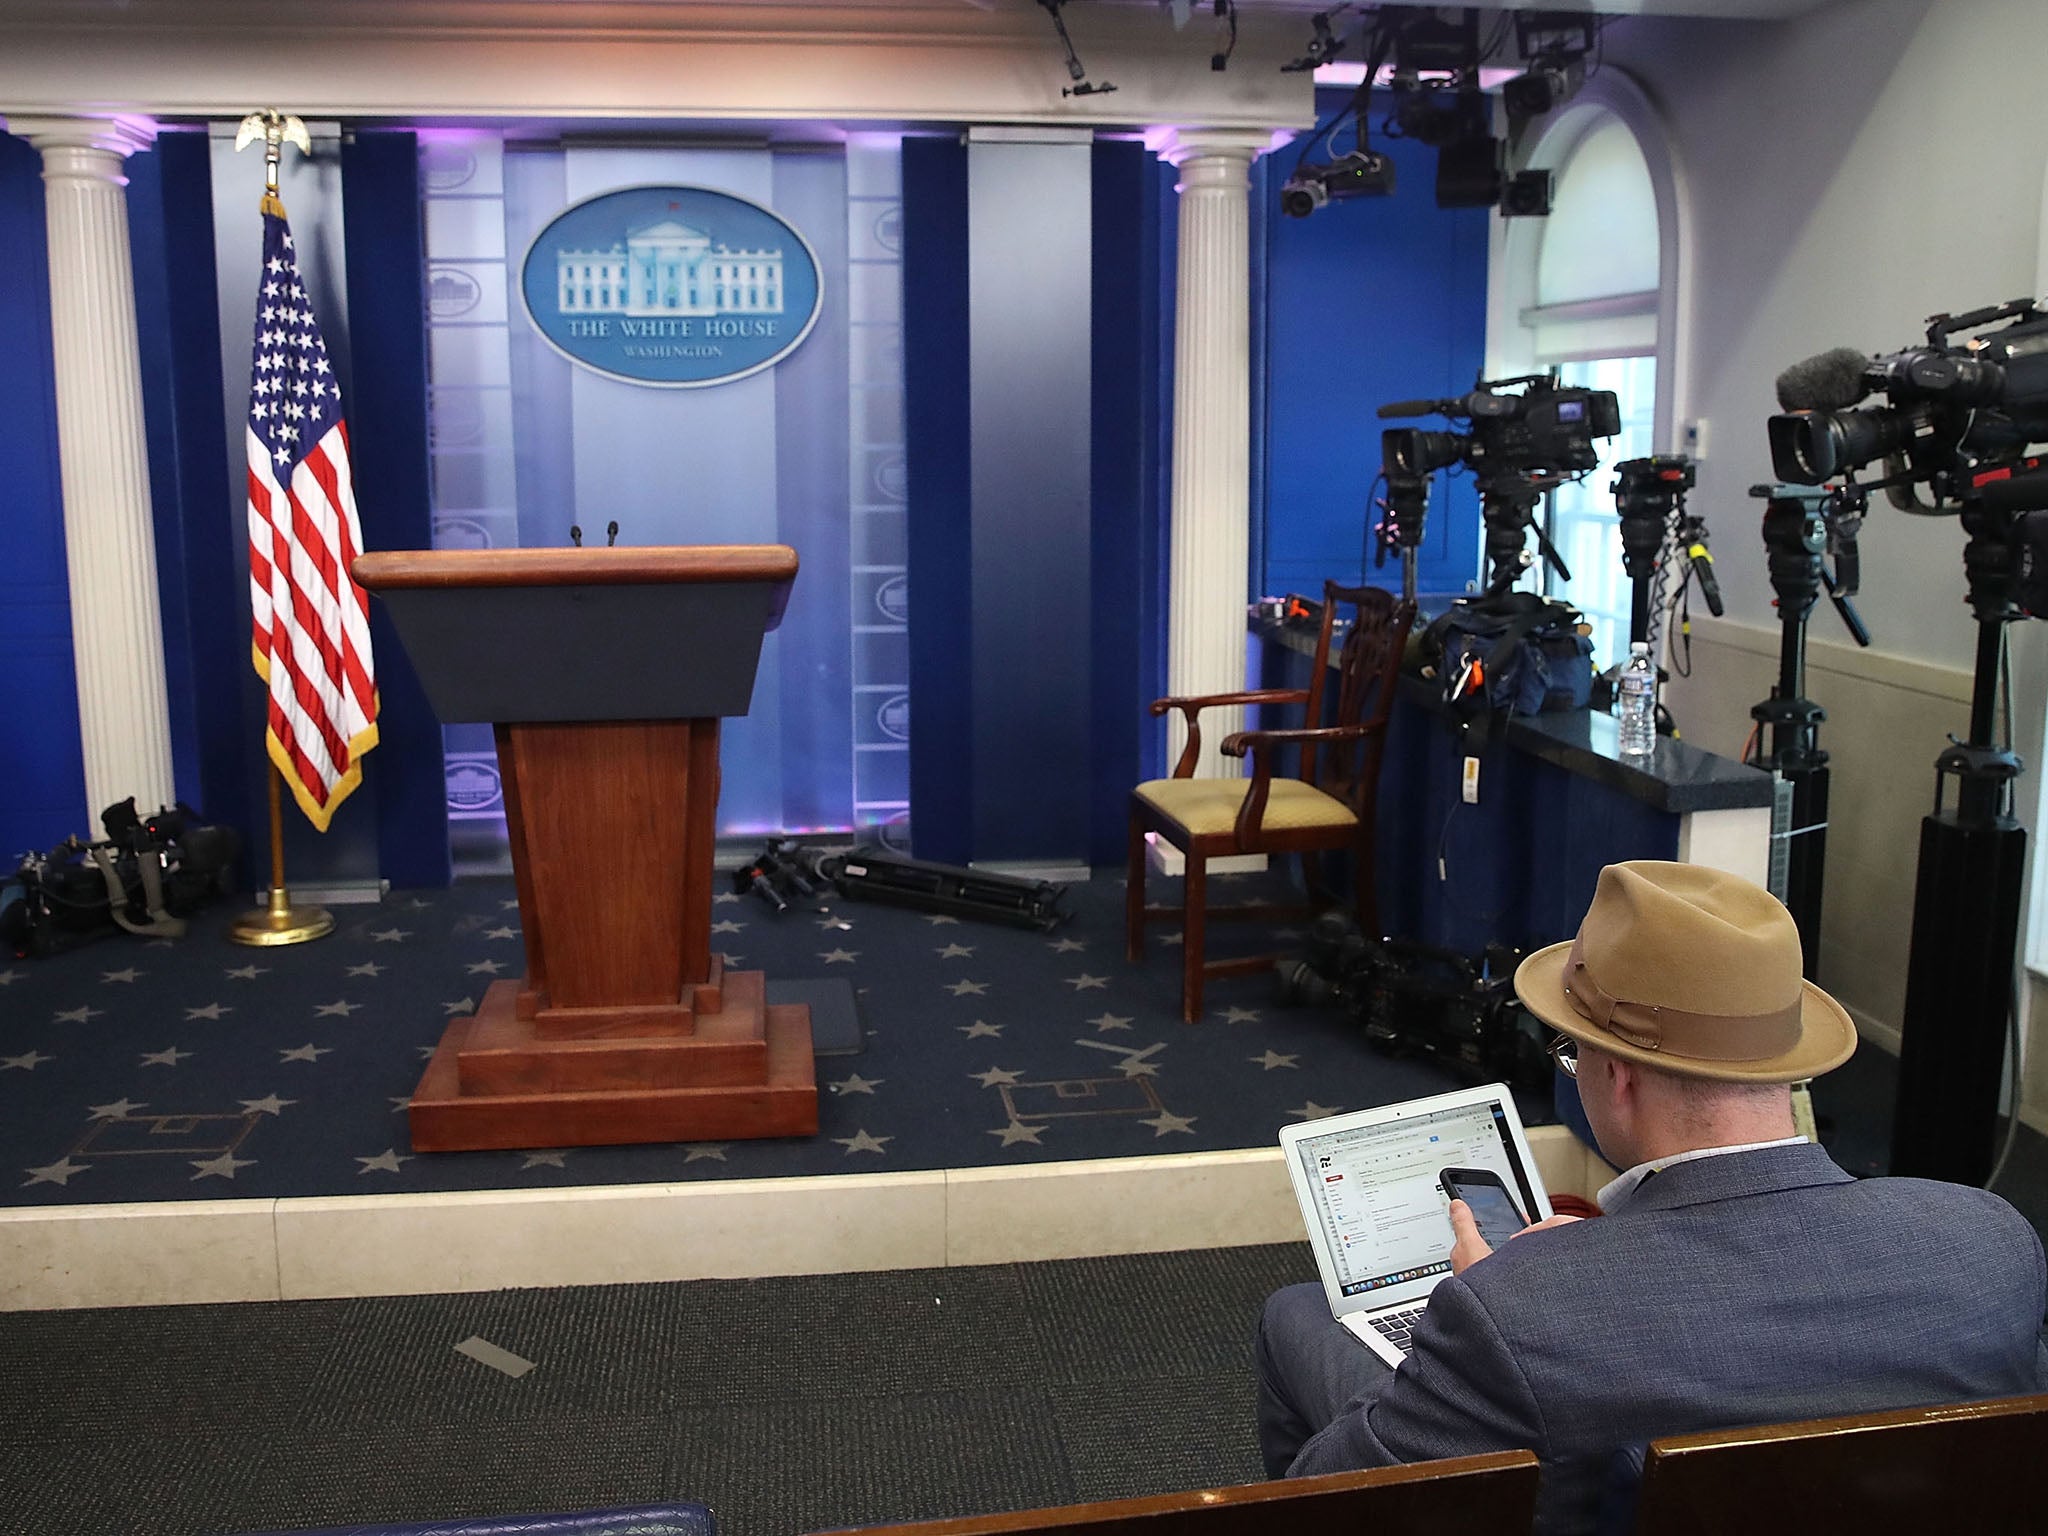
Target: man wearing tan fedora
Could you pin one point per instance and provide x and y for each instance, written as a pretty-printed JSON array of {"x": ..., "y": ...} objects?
[{"x": 1737, "y": 1276}]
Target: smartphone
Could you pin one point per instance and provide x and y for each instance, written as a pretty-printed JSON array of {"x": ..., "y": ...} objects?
[{"x": 1493, "y": 1208}]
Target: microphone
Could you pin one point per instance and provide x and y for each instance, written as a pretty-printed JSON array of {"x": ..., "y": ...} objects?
[
  {"x": 1702, "y": 563},
  {"x": 1413, "y": 408},
  {"x": 576, "y": 535},
  {"x": 1828, "y": 382},
  {"x": 611, "y": 534}
]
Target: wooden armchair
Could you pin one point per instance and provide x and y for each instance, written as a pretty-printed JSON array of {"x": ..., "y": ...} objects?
[
  {"x": 1958, "y": 1467},
  {"x": 1331, "y": 805},
  {"x": 1492, "y": 1493}
]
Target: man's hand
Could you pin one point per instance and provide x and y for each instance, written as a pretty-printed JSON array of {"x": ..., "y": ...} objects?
[{"x": 1469, "y": 1247}]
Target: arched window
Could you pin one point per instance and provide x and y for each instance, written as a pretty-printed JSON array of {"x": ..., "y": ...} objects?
[{"x": 1591, "y": 292}]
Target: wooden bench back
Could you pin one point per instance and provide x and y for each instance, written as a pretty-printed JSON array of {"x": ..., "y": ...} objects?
[
  {"x": 1479, "y": 1495},
  {"x": 1954, "y": 1468}
]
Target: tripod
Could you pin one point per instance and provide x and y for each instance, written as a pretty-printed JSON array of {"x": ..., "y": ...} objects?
[
  {"x": 1966, "y": 908},
  {"x": 1401, "y": 518},
  {"x": 1508, "y": 505},
  {"x": 1801, "y": 525}
]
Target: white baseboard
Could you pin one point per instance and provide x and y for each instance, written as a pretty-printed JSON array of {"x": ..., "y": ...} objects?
[{"x": 384, "y": 1245}]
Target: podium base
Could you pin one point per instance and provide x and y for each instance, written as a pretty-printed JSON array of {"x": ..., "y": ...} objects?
[{"x": 494, "y": 1083}]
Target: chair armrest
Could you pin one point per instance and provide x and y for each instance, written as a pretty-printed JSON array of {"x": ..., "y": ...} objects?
[
  {"x": 1262, "y": 745},
  {"x": 1192, "y": 706}
]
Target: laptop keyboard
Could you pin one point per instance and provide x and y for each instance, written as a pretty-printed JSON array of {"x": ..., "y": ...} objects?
[{"x": 1397, "y": 1326}]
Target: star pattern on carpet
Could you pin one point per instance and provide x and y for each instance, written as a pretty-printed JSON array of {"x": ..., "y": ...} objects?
[
  {"x": 1016, "y": 1131},
  {"x": 996, "y": 1077},
  {"x": 400, "y": 1101},
  {"x": 28, "y": 1061},
  {"x": 1067, "y": 946},
  {"x": 272, "y": 1105},
  {"x": 369, "y": 968},
  {"x": 459, "y": 1005},
  {"x": 78, "y": 1015},
  {"x": 222, "y": 1167},
  {"x": 119, "y": 1109},
  {"x": 486, "y": 967},
  {"x": 857, "y": 1084},
  {"x": 1108, "y": 1021},
  {"x": 839, "y": 956},
  {"x": 838, "y": 924},
  {"x": 727, "y": 925},
  {"x": 1166, "y": 1123},
  {"x": 247, "y": 972},
  {"x": 966, "y": 988},
  {"x": 979, "y": 1028},
  {"x": 211, "y": 1011},
  {"x": 127, "y": 975},
  {"x": 1240, "y": 1015},
  {"x": 1086, "y": 983},
  {"x": 60, "y": 1172},
  {"x": 341, "y": 1008},
  {"x": 502, "y": 931},
  {"x": 307, "y": 1052},
  {"x": 386, "y": 1161},
  {"x": 8, "y": 976},
  {"x": 1176, "y": 937},
  {"x": 701, "y": 1151},
  {"x": 954, "y": 951},
  {"x": 391, "y": 935},
  {"x": 509, "y": 904},
  {"x": 941, "y": 919},
  {"x": 1313, "y": 1111},
  {"x": 1274, "y": 1059},
  {"x": 553, "y": 1158},
  {"x": 169, "y": 1056},
  {"x": 861, "y": 1141}
]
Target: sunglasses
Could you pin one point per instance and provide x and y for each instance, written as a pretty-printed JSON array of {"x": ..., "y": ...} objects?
[{"x": 1564, "y": 1050}]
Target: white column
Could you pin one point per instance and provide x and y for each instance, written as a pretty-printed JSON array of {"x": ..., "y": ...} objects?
[
  {"x": 1211, "y": 539},
  {"x": 117, "y": 636}
]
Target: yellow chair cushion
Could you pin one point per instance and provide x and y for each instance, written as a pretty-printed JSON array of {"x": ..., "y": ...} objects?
[{"x": 1208, "y": 806}]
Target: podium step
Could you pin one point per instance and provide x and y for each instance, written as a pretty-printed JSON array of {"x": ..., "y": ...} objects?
[{"x": 492, "y": 1085}]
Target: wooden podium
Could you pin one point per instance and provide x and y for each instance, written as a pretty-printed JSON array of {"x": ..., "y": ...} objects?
[{"x": 605, "y": 672}]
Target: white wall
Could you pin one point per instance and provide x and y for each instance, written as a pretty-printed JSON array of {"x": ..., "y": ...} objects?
[{"x": 1845, "y": 175}]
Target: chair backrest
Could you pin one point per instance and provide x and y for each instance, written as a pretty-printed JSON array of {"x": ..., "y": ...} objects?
[
  {"x": 1368, "y": 669},
  {"x": 1958, "y": 1467},
  {"x": 1468, "y": 1493}
]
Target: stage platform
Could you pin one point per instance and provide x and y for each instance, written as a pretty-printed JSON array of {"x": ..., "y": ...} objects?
[{"x": 191, "y": 1120}]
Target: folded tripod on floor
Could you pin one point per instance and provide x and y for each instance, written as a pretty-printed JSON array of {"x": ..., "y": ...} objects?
[{"x": 785, "y": 869}]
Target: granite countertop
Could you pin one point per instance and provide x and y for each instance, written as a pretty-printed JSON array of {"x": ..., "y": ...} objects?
[{"x": 1678, "y": 777}]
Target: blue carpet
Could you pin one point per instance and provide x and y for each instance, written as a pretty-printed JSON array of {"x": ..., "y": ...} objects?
[{"x": 136, "y": 1070}]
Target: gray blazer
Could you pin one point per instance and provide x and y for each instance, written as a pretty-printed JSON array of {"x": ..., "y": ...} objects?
[{"x": 1753, "y": 1288}]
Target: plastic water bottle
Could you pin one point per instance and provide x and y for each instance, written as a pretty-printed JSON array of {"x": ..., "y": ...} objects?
[{"x": 1638, "y": 702}]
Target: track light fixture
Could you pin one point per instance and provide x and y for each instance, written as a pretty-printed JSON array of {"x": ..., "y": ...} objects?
[{"x": 1076, "y": 70}]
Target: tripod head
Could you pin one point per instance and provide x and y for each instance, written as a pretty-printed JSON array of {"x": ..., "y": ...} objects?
[
  {"x": 1803, "y": 526},
  {"x": 1507, "y": 503}
]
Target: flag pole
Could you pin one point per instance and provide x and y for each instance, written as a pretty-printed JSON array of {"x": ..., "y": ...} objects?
[{"x": 280, "y": 922}]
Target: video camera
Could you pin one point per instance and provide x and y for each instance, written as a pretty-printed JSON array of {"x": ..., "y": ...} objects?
[
  {"x": 1415, "y": 999},
  {"x": 1958, "y": 420},
  {"x": 1549, "y": 428}
]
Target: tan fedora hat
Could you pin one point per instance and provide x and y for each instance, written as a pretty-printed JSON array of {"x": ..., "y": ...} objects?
[{"x": 1691, "y": 970}]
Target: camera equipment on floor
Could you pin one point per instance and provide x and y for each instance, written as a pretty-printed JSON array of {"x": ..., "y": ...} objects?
[
  {"x": 146, "y": 877},
  {"x": 1416, "y": 999},
  {"x": 786, "y": 871}
]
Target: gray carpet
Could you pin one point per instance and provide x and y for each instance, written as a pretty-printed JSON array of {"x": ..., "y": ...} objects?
[{"x": 788, "y": 1405}]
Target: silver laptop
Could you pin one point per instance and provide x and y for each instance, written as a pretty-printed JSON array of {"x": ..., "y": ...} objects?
[{"x": 1372, "y": 1198}]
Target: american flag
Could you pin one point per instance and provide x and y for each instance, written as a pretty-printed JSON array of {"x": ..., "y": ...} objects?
[{"x": 312, "y": 620}]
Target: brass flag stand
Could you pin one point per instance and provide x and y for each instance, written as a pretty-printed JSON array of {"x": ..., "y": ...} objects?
[{"x": 280, "y": 922}]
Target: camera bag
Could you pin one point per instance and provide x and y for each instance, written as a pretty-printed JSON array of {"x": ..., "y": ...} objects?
[{"x": 1516, "y": 652}]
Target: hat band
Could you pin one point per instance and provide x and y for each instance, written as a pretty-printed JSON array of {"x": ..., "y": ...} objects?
[{"x": 1700, "y": 1036}]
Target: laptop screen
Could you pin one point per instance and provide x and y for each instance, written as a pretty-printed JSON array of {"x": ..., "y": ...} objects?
[{"x": 1377, "y": 1194}]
